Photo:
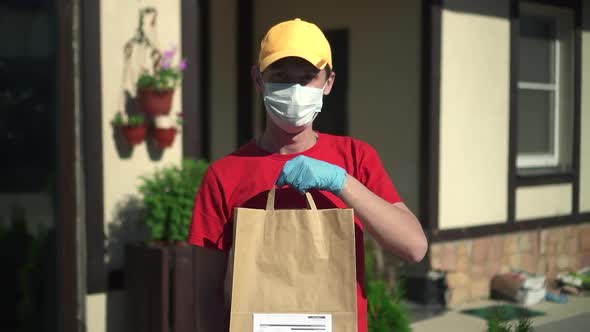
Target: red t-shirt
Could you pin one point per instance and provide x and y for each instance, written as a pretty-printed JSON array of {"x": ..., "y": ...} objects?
[{"x": 243, "y": 179}]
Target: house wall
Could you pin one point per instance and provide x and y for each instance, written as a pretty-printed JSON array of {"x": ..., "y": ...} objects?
[
  {"x": 474, "y": 122},
  {"x": 106, "y": 312},
  {"x": 543, "y": 201},
  {"x": 474, "y": 114},
  {"x": 96, "y": 316},
  {"x": 122, "y": 169},
  {"x": 585, "y": 125},
  {"x": 474, "y": 151},
  {"x": 470, "y": 264}
]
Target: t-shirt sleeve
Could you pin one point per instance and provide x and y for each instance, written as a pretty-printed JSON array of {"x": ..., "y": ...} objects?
[
  {"x": 373, "y": 175},
  {"x": 209, "y": 214}
]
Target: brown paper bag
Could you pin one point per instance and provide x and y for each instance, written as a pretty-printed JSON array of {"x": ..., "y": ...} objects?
[{"x": 293, "y": 261}]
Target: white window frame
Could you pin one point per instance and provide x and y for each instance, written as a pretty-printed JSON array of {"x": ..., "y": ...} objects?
[
  {"x": 531, "y": 160},
  {"x": 546, "y": 160}
]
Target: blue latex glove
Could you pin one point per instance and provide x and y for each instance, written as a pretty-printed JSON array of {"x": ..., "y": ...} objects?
[{"x": 304, "y": 173}]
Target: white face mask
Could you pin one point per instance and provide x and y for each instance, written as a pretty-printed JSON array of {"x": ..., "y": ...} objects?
[{"x": 292, "y": 107}]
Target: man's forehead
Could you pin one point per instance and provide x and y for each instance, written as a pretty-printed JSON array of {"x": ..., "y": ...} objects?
[{"x": 292, "y": 64}]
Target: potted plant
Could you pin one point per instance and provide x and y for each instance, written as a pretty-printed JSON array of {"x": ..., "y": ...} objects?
[
  {"x": 168, "y": 199},
  {"x": 133, "y": 127},
  {"x": 165, "y": 130},
  {"x": 155, "y": 89},
  {"x": 386, "y": 309},
  {"x": 160, "y": 272}
]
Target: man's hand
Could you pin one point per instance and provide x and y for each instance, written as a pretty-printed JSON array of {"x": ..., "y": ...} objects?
[
  {"x": 304, "y": 173},
  {"x": 394, "y": 226}
]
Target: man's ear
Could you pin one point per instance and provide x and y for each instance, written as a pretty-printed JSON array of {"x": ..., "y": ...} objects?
[
  {"x": 257, "y": 78},
  {"x": 330, "y": 83}
]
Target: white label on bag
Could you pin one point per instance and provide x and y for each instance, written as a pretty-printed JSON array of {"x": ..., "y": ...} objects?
[{"x": 292, "y": 322}]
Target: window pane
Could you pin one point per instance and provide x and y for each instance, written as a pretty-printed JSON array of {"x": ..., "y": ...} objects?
[
  {"x": 537, "y": 50},
  {"x": 535, "y": 121}
]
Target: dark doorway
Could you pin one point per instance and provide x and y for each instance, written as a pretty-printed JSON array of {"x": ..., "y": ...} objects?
[{"x": 334, "y": 116}]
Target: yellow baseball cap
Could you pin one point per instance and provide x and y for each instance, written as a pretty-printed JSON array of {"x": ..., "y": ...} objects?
[{"x": 295, "y": 38}]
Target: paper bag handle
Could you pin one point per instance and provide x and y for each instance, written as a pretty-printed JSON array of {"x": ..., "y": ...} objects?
[
  {"x": 270, "y": 201},
  {"x": 317, "y": 230}
]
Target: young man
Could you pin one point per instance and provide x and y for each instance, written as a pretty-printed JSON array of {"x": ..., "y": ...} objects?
[{"x": 293, "y": 74}]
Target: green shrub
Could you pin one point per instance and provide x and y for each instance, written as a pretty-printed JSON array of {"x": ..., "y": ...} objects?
[
  {"x": 168, "y": 199},
  {"x": 386, "y": 311},
  {"x": 497, "y": 323}
]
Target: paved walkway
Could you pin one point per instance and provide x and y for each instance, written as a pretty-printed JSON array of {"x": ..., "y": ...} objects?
[
  {"x": 573, "y": 316},
  {"x": 579, "y": 323}
]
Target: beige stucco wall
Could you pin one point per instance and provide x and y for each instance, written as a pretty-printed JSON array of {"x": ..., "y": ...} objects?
[
  {"x": 96, "y": 316},
  {"x": 543, "y": 201},
  {"x": 106, "y": 312},
  {"x": 474, "y": 117},
  {"x": 118, "y": 24},
  {"x": 585, "y": 125},
  {"x": 224, "y": 108},
  {"x": 384, "y": 72},
  {"x": 118, "y": 21}
]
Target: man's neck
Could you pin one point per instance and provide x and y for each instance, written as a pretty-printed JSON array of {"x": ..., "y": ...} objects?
[{"x": 275, "y": 140}]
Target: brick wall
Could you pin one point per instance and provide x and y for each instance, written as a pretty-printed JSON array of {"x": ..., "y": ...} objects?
[{"x": 470, "y": 264}]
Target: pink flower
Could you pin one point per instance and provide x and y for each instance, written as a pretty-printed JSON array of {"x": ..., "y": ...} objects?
[
  {"x": 182, "y": 65},
  {"x": 165, "y": 63},
  {"x": 170, "y": 53}
]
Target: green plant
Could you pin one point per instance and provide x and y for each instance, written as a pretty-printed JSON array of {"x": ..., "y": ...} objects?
[
  {"x": 180, "y": 119},
  {"x": 524, "y": 325},
  {"x": 386, "y": 311},
  {"x": 168, "y": 198},
  {"x": 133, "y": 120},
  {"x": 165, "y": 76},
  {"x": 498, "y": 323},
  {"x": 585, "y": 277}
]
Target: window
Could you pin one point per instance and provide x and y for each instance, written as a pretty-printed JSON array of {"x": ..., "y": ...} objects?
[
  {"x": 27, "y": 97},
  {"x": 545, "y": 88}
]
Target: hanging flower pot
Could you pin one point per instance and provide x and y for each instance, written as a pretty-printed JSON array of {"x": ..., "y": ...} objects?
[
  {"x": 155, "y": 88},
  {"x": 133, "y": 127},
  {"x": 165, "y": 136},
  {"x": 134, "y": 134},
  {"x": 164, "y": 131},
  {"x": 155, "y": 102}
]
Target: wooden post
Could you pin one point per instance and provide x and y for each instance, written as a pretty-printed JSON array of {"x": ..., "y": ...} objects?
[
  {"x": 148, "y": 288},
  {"x": 183, "y": 292}
]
